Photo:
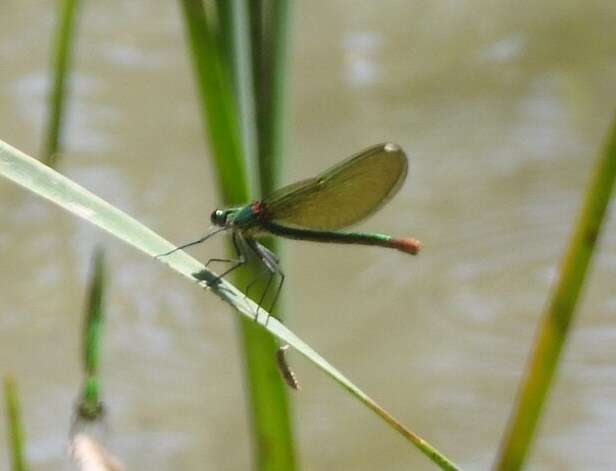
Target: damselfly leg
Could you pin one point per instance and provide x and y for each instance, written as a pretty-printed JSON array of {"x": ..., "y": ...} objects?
[
  {"x": 238, "y": 262},
  {"x": 194, "y": 242},
  {"x": 244, "y": 247},
  {"x": 270, "y": 262}
]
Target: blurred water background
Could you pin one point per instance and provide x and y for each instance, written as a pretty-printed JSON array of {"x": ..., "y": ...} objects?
[{"x": 501, "y": 107}]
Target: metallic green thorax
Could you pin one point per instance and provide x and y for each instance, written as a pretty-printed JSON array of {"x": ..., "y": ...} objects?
[{"x": 245, "y": 217}]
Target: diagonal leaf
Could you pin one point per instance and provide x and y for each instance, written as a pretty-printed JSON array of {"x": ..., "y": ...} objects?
[{"x": 44, "y": 181}]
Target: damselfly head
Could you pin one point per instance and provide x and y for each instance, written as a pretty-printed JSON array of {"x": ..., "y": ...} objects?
[{"x": 219, "y": 217}]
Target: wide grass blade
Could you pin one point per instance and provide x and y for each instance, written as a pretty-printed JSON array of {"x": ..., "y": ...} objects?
[
  {"x": 61, "y": 67},
  {"x": 14, "y": 427},
  {"x": 554, "y": 328},
  {"x": 44, "y": 181}
]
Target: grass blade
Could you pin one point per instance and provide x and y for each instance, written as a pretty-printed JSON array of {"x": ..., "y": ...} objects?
[
  {"x": 270, "y": 85},
  {"x": 234, "y": 32},
  {"x": 268, "y": 40},
  {"x": 557, "y": 318},
  {"x": 218, "y": 105},
  {"x": 44, "y": 181},
  {"x": 215, "y": 62},
  {"x": 14, "y": 427},
  {"x": 61, "y": 67}
]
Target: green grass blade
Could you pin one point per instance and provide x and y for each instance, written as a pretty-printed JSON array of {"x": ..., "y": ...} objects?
[
  {"x": 557, "y": 318},
  {"x": 14, "y": 427},
  {"x": 225, "y": 34},
  {"x": 44, "y": 181},
  {"x": 269, "y": 77},
  {"x": 270, "y": 84},
  {"x": 61, "y": 67},
  {"x": 234, "y": 29},
  {"x": 268, "y": 399},
  {"x": 218, "y": 105},
  {"x": 266, "y": 386},
  {"x": 90, "y": 405},
  {"x": 269, "y": 33},
  {"x": 273, "y": 441}
]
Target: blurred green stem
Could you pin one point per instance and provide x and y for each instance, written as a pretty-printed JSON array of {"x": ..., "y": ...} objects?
[
  {"x": 90, "y": 403},
  {"x": 269, "y": 41},
  {"x": 234, "y": 34},
  {"x": 14, "y": 427},
  {"x": 226, "y": 122},
  {"x": 270, "y": 74},
  {"x": 218, "y": 106},
  {"x": 61, "y": 64},
  {"x": 557, "y": 318},
  {"x": 94, "y": 314}
]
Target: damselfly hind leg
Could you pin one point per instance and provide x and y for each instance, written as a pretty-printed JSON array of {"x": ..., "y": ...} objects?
[{"x": 271, "y": 262}]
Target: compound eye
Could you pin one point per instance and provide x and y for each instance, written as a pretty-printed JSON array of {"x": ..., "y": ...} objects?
[{"x": 218, "y": 217}]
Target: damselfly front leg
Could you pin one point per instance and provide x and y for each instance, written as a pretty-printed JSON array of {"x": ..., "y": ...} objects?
[
  {"x": 241, "y": 258},
  {"x": 194, "y": 242}
]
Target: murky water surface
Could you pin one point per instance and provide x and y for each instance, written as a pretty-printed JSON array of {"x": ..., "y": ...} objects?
[{"x": 501, "y": 107}]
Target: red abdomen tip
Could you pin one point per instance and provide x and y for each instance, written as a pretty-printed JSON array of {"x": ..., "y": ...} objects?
[{"x": 407, "y": 244}]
